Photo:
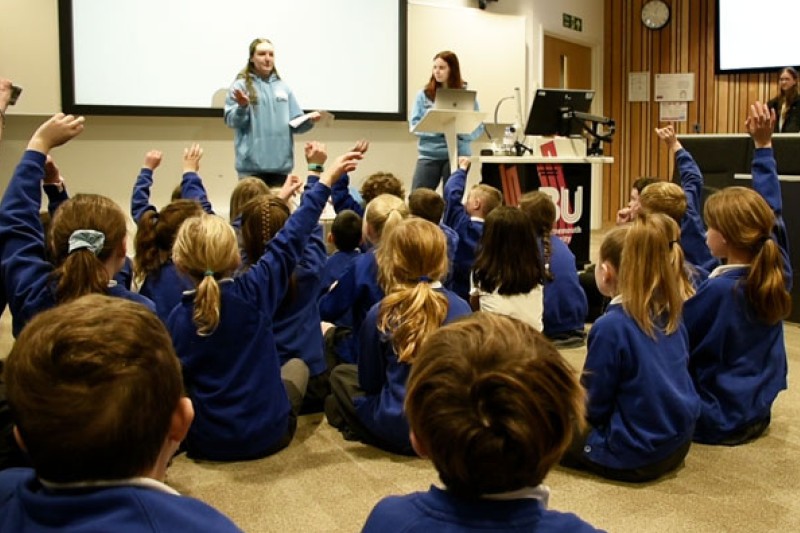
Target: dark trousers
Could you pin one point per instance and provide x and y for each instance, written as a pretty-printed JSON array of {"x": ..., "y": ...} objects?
[
  {"x": 271, "y": 178},
  {"x": 575, "y": 458},
  {"x": 341, "y": 412}
]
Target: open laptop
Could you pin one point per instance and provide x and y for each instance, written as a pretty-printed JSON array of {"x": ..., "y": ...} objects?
[{"x": 455, "y": 100}]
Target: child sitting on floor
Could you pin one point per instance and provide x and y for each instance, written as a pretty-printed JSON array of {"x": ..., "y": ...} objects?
[
  {"x": 493, "y": 404},
  {"x": 99, "y": 407}
]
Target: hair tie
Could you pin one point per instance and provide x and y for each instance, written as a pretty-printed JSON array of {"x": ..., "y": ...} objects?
[
  {"x": 424, "y": 279},
  {"x": 672, "y": 244},
  {"x": 90, "y": 239},
  {"x": 208, "y": 273},
  {"x": 762, "y": 241}
]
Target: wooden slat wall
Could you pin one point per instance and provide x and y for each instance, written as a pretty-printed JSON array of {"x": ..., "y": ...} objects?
[{"x": 685, "y": 45}]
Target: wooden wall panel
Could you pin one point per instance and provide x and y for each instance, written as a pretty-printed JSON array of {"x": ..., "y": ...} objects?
[{"x": 685, "y": 45}]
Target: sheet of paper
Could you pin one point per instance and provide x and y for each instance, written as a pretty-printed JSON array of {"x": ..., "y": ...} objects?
[
  {"x": 673, "y": 111},
  {"x": 325, "y": 118},
  {"x": 639, "y": 87}
]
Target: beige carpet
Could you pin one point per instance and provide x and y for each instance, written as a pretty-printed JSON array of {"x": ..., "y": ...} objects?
[{"x": 323, "y": 483}]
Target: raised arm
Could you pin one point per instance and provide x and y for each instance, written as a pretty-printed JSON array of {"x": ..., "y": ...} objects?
[
  {"x": 693, "y": 233},
  {"x": 192, "y": 187},
  {"x": 455, "y": 215},
  {"x": 25, "y": 271},
  {"x": 340, "y": 193},
  {"x": 760, "y": 124},
  {"x": 53, "y": 186},
  {"x": 140, "y": 199}
]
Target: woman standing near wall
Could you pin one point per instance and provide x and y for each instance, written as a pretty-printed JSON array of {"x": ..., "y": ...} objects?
[
  {"x": 787, "y": 105},
  {"x": 259, "y": 107},
  {"x": 433, "y": 163}
]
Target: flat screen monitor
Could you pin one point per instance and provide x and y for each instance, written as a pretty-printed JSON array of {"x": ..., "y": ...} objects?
[{"x": 548, "y": 109}]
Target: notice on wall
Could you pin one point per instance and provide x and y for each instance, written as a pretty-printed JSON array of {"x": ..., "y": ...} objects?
[
  {"x": 674, "y": 87},
  {"x": 673, "y": 112},
  {"x": 639, "y": 87}
]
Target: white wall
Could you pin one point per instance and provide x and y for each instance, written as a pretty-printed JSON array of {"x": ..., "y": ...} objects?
[{"x": 107, "y": 156}]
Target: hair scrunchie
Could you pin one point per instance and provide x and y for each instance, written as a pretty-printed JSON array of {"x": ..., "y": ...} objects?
[{"x": 90, "y": 239}]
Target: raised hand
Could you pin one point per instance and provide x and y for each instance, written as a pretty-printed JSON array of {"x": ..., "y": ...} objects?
[
  {"x": 241, "y": 98},
  {"x": 191, "y": 158},
  {"x": 362, "y": 145},
  {"x": 52, "y": 175},
  {"x": 55, "y": 131},
  {"x": 316, "y": 152},
  {"x": 344, "y": 163},
  {"x": 464, "y": 163},
  {"x": 760, "y": 123},
  {"x": 152, "y": 159},
  {"x": 667, "y": 134},
  {"x": 291, "y": 186}
]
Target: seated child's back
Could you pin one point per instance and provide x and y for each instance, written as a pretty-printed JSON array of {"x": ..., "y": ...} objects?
[
  {"x": 492, "y": 403},
  {"x": 99, "y": 408}
]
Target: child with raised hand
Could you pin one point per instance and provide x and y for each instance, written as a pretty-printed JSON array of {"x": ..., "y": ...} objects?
[
  {"x": 493, "y": 405},
  {"x": 565, "y": 303},
  {"x": 98, "y": 402},
  {"x": 367, "y": 400},
  {"x": 88, "y": 236},
  {"x": 693, "y": 234},
  {"x": 466, "y": 218},
  {"x": 296, "y": 321},
  {"x": 242, "y": 399},
  {"x": 508, "y": 274},
  {"x": 372, "y": 187},
  {"x": 358, "y": 288},
  {"x": 641, "y": 405},
  {"x": 735, "y": 320}
]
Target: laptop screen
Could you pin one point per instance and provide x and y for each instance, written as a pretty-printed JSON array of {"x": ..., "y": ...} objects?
[{"x": 455, "y": 100}]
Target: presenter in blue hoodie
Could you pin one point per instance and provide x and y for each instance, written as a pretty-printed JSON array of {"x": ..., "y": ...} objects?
[{"x": 258, "y": 108}]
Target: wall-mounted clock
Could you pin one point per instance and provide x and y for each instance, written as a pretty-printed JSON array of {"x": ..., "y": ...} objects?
[{"x": 655, "y": 14}]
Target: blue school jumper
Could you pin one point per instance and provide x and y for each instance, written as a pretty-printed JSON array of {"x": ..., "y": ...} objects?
[
  {"x": 356, "y": 292},
  {"x": 383, "y": 378},
  {"x": 641, "y": 402},
  {"x": 166, "y": 285},
  {"x": 26, "y": 273},
  {"x": 565, "y": 303},
  {"x": 738, "y": 363},
  {"x": 233, "y": 374},
  {"x": 693, "y": 233},
  {"x": 296, "y": 322},
  {"x": 342, "y": 199},
  {"x": 335, "y": 266},
  {"x": 441, "y": 511},
  {"x": 469, "y": 231},
  {"x": 130, "y": 506}
]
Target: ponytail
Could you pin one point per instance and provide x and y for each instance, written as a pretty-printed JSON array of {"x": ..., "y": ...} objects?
[
  {"x": 766, "y": 284},
  {"x": 207, "y": 305},
  {"x": 156, "y": 233},
  {"x": 409, "y": 315}
]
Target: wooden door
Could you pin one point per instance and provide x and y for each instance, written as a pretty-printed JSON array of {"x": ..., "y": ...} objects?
[{"x": 566, "y": 65}]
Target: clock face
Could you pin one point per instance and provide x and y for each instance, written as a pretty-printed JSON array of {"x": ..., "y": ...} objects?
[{"x": 655, "y": 14}]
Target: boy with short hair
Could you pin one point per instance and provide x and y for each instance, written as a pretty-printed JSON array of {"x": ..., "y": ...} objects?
[
  {"x": 466, "y": 218},
  {"x": 493, "y": 404},
  {"x": 96, "y": 393}
]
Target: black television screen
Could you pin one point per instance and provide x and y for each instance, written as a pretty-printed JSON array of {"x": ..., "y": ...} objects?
[
  {"x": 742, "y": 45},
  {"x": 547, "y": 115},
  {"x": 179, "y": 57}
]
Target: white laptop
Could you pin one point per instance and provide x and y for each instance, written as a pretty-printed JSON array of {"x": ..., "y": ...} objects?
[{"x": 455, "y": 100}]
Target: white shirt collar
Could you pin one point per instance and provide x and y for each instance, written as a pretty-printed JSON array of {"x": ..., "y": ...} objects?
[{"x": 143, "y": 482}]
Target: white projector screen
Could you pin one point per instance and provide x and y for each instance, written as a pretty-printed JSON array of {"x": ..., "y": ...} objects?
[
  {"x": 756, "y": 37},
  {"x": 178, "y": 57}
]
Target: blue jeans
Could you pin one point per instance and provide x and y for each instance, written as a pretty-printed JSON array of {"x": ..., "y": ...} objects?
[{"x": 429, "y": 172}]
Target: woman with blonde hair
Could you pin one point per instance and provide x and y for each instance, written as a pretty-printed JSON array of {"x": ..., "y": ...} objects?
[{"x": 367, "y": 399}]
